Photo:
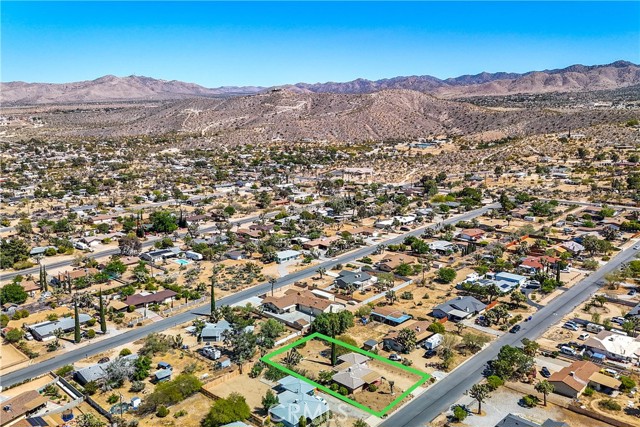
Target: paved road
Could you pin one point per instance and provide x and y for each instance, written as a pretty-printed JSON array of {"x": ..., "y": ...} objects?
[
  {"x": 577, "y": 203},
  {"x": 446, "y": 392},
  {"x": 146, "y": 244},
  {"x": 135, "y": 334}
]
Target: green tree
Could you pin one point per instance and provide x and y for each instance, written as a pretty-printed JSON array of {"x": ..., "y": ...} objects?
[
  {"x": 480, "y": 392},
  {"x": 407, "y": 339},
  {"x": 517, "y": 298},
  {"x": 163, "y": 222},
  {"x": 14, "y": 335},
  {"x": 115, "y": 268},
  {"x": 14, "y": 293},
  {"x": 142, "y": 368},
  {"x": 12, "y": 251},
  {"x": 76, "y": 318},
  {"x": 436, "y": 328},
  {"x": 226, "y": 411},
  {"x": 103, "y": 320},
  {"x": 241, "y": 343},
  {"x": 269, "y": 400},
  {"x": 447, "y": 275},
  {"x": 269, "y": 331},
  {"x": 544, "y": 387}
]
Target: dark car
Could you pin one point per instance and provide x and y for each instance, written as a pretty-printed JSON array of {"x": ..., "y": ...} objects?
[
  {"x": 430, "y": 353},
  {"x": 545, "y": 372},
  {"x": 515, "y": 329},
  {"x": 103, "y": 360}
]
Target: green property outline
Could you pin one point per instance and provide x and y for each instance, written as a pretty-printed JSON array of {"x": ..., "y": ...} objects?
[{"x": 424, "y": 377}]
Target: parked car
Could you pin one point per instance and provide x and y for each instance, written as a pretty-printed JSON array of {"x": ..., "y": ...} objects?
[
  {"x": 515, "y": 329},
  {"x": 545, "y": 372},
  {"x": 619, "y": 320},
  {"x": 583, "y": 336},
  {"x": 610, "y": 372},
  {"x": 103, "y": 360},
  {"x": 632, "y": 292},
  {"x": 571, "y": 326},
  {"x": 636, "y": 247},
  {"x": 395, "y": 357},
  {"x": 430, "y": 353},
  {"x": 568, "y": 350}
]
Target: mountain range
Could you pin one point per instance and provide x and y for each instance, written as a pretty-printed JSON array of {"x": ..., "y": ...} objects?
[{"x": 576, "y": 78}]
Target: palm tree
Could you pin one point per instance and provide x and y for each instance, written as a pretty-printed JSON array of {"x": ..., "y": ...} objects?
[
  {"x": 544, "y": 387},
  {"x": 272, "y": 282}
]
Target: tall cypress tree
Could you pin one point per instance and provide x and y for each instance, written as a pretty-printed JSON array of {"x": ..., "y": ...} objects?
[
  {"x": 103, "y": 321},
  {"x": 213, "y": 296},
  {"x": 76, "y": 336},
  {"x": 558, "y": 272}
]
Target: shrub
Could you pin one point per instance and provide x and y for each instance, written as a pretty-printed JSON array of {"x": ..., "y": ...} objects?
[
  {"x": 137, "y": 386},
  {"x": 530, "y": 401},
  {"x": 90, "y": 388},
  {"x": 610, "y": 404},
  {"x": 627, "y": 383},
  {"x": 372, "y": 388},
  {"x": 588, "y": 391},
  {"x": 436, "y": 327},
  {"x": 334, "y": 387},
  {"x": 459, "y": 413},
  {"x": 180, "y": 413},
  {"x": 113, "y": 398},
  {"x": 256, "y": 370},
  {"x": 14, "y": 335},
  {"x": 494, "y": 381},
  {"x": 274, "y": 374},
  {"x": 91, "y": 322},
  {"x": 91, "y": 333},
  {"x": 162, "y": 411},
  {"x": 343, "y": 391},
  {"x": 125, "y": 352},
  {"x": 131, "y": 308},
  {"x": 66, "y": 369}
]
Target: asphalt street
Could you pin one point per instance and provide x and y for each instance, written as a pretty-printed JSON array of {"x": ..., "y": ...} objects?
[
  {"x": 100, "y": 346},
  {"x": 442, "y": 395}
]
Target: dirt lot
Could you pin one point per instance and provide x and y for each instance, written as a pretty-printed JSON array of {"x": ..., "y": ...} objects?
[
  {"x": 253, "y": 390},
  {"x": 10, "y": 356},
  {"x": 197, "y": 407}
]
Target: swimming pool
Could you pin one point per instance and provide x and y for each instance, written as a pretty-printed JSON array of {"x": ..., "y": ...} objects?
[{"x": 182, "y": 261}]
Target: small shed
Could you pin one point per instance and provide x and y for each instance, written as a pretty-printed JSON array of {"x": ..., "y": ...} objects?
[
  {"x": 224, "y": 362},
  {"x": 162, "y": 375},
  {"x": 370, "y": 345}
]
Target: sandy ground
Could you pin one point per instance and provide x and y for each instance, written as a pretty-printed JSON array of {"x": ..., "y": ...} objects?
[
  {"x": 10, "y": 356},
  {"x": 31, "y": 385},
  {"x": 196, "y": 406},
  {"x": 253, "y": 390}
]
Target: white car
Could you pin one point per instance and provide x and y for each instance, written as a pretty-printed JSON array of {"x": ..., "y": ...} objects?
[
  {"x": 584, "y": 336},
  {"x": 636, "y": 247}
]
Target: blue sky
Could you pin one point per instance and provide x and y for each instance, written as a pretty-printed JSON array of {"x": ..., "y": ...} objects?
[{"x": 264, "y": 43}]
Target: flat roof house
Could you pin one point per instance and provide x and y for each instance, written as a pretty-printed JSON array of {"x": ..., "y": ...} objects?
[
  {"x": 354, "y": 280},
  {"x": 389, "y": 315},
  {"x": 46, "y": 330},
  {"x": 614, "y": 346},
  {"x": 510, "y": 277},
  {"x": 162, "y": 375},
  {"x": 214, "y": 331},
  {"x": 287, "y": 255},
  {"x": 159, "y": 255},
  {"x": 160, "y": 297},
  {"x": 459, "y": 308}
]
